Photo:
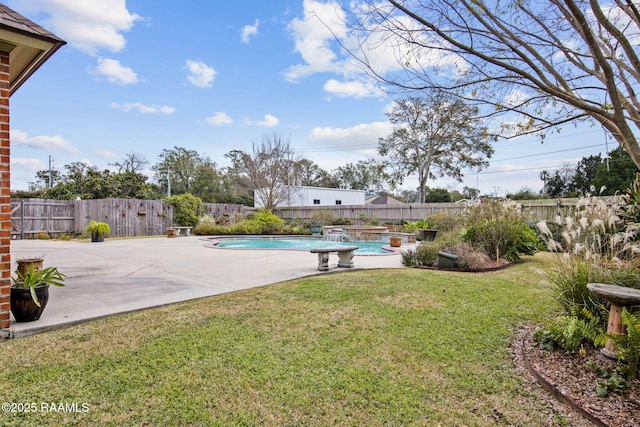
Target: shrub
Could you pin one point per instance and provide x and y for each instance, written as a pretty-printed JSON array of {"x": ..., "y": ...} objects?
[
  {"x": 262, "y": 222},
  {"x": 469, "y": 257},
  {"x": 208, "y": 229},
  {"x": 323, "y": 217},
  {"x": 415, "y": 226},
  {"x": 341, "y": 221},
  {"x": 186, "y": 209},
  {"x": 445, "y": 221},
  {"x": 499, "y": 229},
  {"x": 266, "y": 222},
  {"x": 424, "y": 255},
  {"x": 570, "y": 332},
  {"x": 369, "y": 220}
]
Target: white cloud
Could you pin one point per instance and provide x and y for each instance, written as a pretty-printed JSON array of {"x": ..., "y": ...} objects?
[
  {"x": 200, "y": 74},
  {"x": 269, "y": 121},
  {"x": 219, "y": 118},
  {"x": 515, "y": 97},
  {"x": 28, "y": 164},
  {"x": 361, "y": 138},
  {"x": 324, "y": 32},
  {"x": 355, "y": 89},
  {"x": 115, "y": 72},
  {"x": 142, "y": 108},
  {"x": 41, "y": 142},
  {"x": 105, "y": 154},
  {"x": 248, "y": 31},
  {"x": 89, "y": 26},
  {"x": 313, "y": 35}
]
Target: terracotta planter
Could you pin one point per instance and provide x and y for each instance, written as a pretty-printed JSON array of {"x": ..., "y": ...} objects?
[
  {"x": 23, "y": 306},
  {"x": 24, "y": 263},
  {"x": 395, "y": 241},
  {"x": 171, "y": 233}
]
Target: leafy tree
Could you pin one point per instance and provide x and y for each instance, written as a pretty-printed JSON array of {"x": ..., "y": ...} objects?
[
  {"x": 525, "y": 193},
  {"x": 266, "y": 172},
  {"x": 615, "y": 174},
  {"x": 212, "y": 185},
  {"x": 177, "y": 168},
  {"x": 437, "y": 195},
  {"x": 470, "y": 193},
  {"x": 307, "y": 173},
  {"x": 593, "y": 174},
  {"x": 88, "y": 182},
  {"x": 409, "y": 196},
  {"x": 43, "y": 179},
  {"x": 557, "y": 184},
  {"x": 539, "y": 64},
  {"x": 435, "y": 136},
  {"x": 585, "y": 174},
  {"x": 369, "y": 175}
]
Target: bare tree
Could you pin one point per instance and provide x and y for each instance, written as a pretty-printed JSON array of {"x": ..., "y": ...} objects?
[
  {"x": 267, "y": 171},
  {"x": 548, "y": 62},
  {"x": 435, "y": 136},
  {"x": 132, "y": 162}
]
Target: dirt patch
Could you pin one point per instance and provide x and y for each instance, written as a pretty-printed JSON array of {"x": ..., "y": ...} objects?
[{"x": 572, "y": 391}]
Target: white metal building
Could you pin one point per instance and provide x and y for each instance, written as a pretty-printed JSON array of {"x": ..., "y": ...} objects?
[{"x": 316, "y": 196}]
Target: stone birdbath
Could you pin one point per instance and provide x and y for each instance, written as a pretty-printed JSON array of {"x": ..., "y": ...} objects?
[{"x": 619, "y": 297}]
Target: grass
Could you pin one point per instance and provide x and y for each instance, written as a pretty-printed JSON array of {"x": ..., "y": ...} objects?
[{"x": 385, "y": 347}]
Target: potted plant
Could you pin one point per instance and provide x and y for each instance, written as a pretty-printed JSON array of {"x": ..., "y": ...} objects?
[
  {"x": 428, "y": 234},
  {"x": 447, "y": 260},
  {"x": 316, "y": 229},
  {"x": 30, "y": 292},
  {"x": 319, "y": 218},
  {"x": 97, "y": 230}
]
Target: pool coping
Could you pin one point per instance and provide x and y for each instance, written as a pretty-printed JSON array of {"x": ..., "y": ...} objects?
[{"x": 212, "y": 243}]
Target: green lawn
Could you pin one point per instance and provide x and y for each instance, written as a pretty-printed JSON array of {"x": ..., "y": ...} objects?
[{"x": 365, "y": 348}]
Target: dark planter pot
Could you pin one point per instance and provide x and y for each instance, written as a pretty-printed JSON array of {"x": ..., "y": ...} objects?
[
  {"x": 447, "y": 260},
  {"x": 97, "y": 237},
  {"x": 23, "y": 306},
  {"x": 427, "y": 235},
  {"x": 316, "y": 230}
]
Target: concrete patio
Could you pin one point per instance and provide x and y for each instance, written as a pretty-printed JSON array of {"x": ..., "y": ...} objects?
[{"x": 121, "y": 275}]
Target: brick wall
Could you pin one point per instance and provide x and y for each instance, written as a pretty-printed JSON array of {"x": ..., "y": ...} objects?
[{"x": 5, "y": 197}]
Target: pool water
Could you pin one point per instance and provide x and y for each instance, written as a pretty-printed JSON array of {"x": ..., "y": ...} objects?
[{"x": 300, "y": 244}]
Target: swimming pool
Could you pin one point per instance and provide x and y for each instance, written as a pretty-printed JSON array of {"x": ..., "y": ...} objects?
[{"x": 299, "y": 243}]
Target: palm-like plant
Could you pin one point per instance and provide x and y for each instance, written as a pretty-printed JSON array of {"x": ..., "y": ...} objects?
[{"x": 32, "y": 279}]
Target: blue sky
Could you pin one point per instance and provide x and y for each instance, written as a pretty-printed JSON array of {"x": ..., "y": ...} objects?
[{"x": 142, "y": 76}]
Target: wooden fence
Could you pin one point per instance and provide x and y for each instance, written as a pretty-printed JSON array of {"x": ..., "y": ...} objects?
[
  {"x": 126, "y": 217},
  {"x": 132, "y": 217},
  {"x": 360, "y": 214}
]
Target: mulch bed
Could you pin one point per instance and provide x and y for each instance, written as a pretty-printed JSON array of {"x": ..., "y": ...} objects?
[{"x": 571, "y": 384}]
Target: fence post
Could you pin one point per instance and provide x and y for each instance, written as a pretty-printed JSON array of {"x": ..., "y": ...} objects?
[{"x": 22, "y": 219}]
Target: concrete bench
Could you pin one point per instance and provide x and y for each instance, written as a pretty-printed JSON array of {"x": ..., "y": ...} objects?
[
  {"x": 345, "y": 256},
  {"x": 179, "y": 228}
]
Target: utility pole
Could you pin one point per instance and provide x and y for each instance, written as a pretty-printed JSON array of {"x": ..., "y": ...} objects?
[
  {"x": 168, "y": 183},
  {"x": 50, "y": 172}
]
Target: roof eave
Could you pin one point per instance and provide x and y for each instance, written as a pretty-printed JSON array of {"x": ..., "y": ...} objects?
[{"x": 33, "y": 66}]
